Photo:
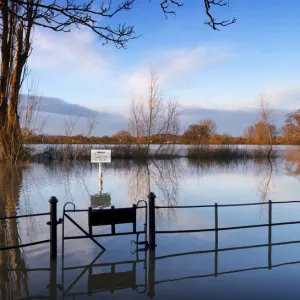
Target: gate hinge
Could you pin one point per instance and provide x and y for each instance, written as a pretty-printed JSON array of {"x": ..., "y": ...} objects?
[{"x": 60, "y": 220}]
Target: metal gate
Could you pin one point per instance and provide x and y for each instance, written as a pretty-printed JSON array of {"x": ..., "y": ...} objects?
[{"x": 103, "y": 217}]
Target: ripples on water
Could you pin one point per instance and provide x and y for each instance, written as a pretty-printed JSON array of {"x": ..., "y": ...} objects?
[{"x": 26, "y": 190}]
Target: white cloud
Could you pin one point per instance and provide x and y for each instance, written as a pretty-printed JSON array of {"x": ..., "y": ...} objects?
[
  {"x": 174, "y": 64},
  {"x": 284, "y": 95},
  {"x": 76, "y": 53}
]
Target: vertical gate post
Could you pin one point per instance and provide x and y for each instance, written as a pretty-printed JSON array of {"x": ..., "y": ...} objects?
[
  {"x": 53, "y": 279},
  {"x": 270, "y": 237},
  {"x": 151, "y": 201},
  {"x": 53, "y": 226},
  {"x": 216, "y": 238},
  {"x": 151, "y": 274}
]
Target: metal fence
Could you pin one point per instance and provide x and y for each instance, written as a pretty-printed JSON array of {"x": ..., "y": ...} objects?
[
  {"x": 116, "y": 281},
  {"x": 53, "y": 228},
  {"x": 152, "y": 223}
]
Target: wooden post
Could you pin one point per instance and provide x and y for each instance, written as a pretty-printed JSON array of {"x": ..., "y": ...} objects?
[
  {"x": 53, "y": 227},
  {"x": 151, "y": 200}
]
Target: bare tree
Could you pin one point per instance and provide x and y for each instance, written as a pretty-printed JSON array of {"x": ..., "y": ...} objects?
[
  {"x": 210, "y": 124},
  {"x": 291, "y": 128},
  {"x": 151, "y": 116},
  {"x": 249, "y": 133},
  {"x": 91, "y": 124},
  {"x": 266, "y": 118},
  {"x": 18, "y": 19},
  {"x": 68, "y": 131}
]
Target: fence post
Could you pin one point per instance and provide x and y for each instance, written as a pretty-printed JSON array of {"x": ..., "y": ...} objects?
[
  {"x": 53, "y": 226},
  {"x": 270, "y": 237},
  {"x": 216, "y": 239},
  {"x": 151, "y": 274},
  {"x": 151, "y": 200},
  {"x": 53, "y": 279},
  {"x": 113, "y": 226}
]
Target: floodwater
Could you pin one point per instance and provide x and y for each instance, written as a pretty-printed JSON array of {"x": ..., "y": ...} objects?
[{"x": 183, "y": 265}]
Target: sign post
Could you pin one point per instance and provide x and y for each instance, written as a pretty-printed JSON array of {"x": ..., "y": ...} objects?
[{"x": 100, "y": 156}]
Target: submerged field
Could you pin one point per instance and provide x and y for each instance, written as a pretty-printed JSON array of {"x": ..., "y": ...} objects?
[
  {"x": 67, "y": 153},
  {"x": 181, "y": 181}
]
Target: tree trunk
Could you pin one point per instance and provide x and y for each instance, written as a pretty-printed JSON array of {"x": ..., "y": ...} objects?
[
  {"x": 11, "y": 139},
  {"x": 10, "y": 129}
]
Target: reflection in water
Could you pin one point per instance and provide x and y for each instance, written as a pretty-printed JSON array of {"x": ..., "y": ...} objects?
[
  {"x": 148, "y": 272},
  {"x": 264, "y": 174},
  {"x": 143, "y": 274},
  {"x": 292, "y": 163},
  {"x": 14, "y": 285},
  {"x": 204, "y": 167},
  {"x": 160, "y": 176},
  {"x": 103, "y": 277}
]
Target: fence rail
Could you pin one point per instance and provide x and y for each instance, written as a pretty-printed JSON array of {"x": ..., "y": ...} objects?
[
  {"x": 24, "y": 216},
  {"x": 52, "y": 223},
  {"x": 227, "y": 249},
  {"x": 27, "y": 244},
  {"x": 226, "y": 205},
  {"x": 227, "y": 228},
  {"x": 225, "y": 272}
]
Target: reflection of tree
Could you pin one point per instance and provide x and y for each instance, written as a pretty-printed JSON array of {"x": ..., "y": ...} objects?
[
  {"x": 159, "y": 176},
  {"x": 263, "y": 171},
  {"x": 292, "y": 163},
  {"x": 264, "y": 174},
  {"x": 13, "y": 285},
  {"x": 204, "y": 167}
]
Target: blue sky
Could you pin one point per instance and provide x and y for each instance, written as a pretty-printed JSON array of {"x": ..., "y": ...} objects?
[{"x": 228, "y": 69}]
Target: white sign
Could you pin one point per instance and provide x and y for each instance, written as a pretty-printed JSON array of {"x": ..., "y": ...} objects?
[
  {"x": 100, "y": 156},
  {"x": 100, "y": 200}
]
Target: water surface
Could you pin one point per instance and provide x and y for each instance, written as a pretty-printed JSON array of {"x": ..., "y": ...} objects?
[{"x": 28, "y": 274}]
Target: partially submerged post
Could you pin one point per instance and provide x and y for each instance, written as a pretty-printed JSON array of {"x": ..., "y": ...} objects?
[
  {"x": 151, "y": 274},
  {"x": 151, "y": 200},
  {"x": 100, "y": 156},
  {"x": 270, "y": 237},
  {"x": 53, "y": 226},
  {"x": 53, "y": 279}
]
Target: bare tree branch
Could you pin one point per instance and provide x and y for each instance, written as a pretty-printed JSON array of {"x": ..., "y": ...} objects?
[
  {"x": 167, "y": 5},
  {"x": 213, "y": 23}
]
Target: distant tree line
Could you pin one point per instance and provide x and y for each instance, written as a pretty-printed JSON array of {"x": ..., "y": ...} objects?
[{"x": 204, "y": 132}]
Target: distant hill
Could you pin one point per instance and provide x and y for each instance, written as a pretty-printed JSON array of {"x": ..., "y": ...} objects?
[
  {"x": 57, "y": 111},
  {"x": 228, "y": 121}
]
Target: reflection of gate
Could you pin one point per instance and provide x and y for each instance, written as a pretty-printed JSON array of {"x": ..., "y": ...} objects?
[
  {"x": 104, "y": 217},
  {"x": 100, "y": 200},
  {"x": 108, "y": 281},
  {"x": 113, "y": 280}
]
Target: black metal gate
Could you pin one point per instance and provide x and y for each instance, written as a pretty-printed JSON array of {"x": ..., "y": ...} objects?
[{"x": 104, "y": 217}]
